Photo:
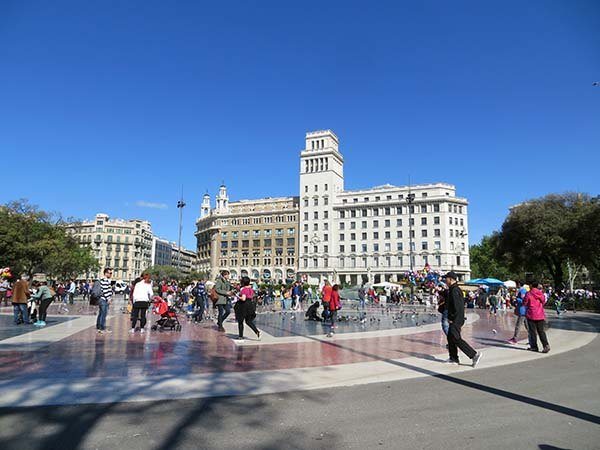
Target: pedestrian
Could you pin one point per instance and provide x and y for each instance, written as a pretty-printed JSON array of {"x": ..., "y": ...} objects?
[
  {"x": 245, "y": 309},
  {"x": 142, "y": 296},
  {"x": 4, "y": 287},
  {"x": 456, "y": 319},
  {"x": 19, "y": 301},
  {"x": 199, "y": 293},
  {"x": 335, "y": 304},
  {"x": 362, "y": 293},
  {"x": 326, "y": 298},
  {"x": 224, "y": 292},
  {"x": 104, "y": 301},
  {"x": 296, "y": 296},
  {"x": 71, "y": 291},
  {"x": 44, "y": 297},
  {"x": 520, "y": 311},
  {"x": 536, "y": 317},
  {"x": 493, "y": 301},
  {"x": 443, "y": 308}
]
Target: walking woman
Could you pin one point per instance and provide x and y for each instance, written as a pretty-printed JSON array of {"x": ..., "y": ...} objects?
[
  {"x": 44, "y": 296},
  {"x": 335, "y": 304},
  {"x": 142, "y": 295},
  {"x": 245, "y": 309},
  {"x": 536, "y": 317}
]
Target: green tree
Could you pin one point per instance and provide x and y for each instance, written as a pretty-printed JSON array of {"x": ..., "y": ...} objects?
[
  {"x": 32, "y": 241},
  {"x": 485, "y": 261},
  {"x": 549, "y": 235}
]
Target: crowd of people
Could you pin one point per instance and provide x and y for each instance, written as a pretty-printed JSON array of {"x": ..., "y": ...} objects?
[{"x": 198, "y": 298}]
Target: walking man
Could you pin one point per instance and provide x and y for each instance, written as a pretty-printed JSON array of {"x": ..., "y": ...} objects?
[
  {"x": 223, "y": 288},
  {"x": 456, "y": 319},
  {"x": 104, "y": 301}
]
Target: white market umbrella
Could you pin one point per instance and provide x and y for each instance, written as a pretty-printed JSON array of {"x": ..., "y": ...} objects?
[{"x": 510, "y": 284}]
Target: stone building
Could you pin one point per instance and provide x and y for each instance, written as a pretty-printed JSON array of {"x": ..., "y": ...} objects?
[
  {"x": 366, "y": 235},
  {"x": 254, "y": 238},
  {"x": 123, "y": 245}
]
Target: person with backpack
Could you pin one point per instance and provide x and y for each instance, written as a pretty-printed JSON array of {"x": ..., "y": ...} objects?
[
  {"x": 245, "y": 309},
  {"x": 520, "y": 311},
  {"x": 536, "y": 317},
  {"x": 223, "y": 303}
]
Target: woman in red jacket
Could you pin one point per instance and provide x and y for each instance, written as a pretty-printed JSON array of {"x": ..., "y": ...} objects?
[{"x": 334, "y": 305}]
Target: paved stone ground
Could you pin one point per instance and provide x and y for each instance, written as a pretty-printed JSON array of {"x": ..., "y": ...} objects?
[{"x": 543, "y": 402}]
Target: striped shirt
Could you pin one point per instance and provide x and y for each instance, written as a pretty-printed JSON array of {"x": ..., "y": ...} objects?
[{"x": 106, "y": 289}]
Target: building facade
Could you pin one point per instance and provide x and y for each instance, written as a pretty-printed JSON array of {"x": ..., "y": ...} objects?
[
  {"x": 347, "y": 236},
  {"x": 166, "y": 253},
  {"x": 124, "y": 245},
  {"x": 366, "y": 235},
  {"x": 254, "y": 238}
]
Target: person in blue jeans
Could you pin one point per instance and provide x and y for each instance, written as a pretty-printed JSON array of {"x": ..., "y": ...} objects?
[
  {"x": 442, "y": 308},
  {"x": 104, "y": 301}
]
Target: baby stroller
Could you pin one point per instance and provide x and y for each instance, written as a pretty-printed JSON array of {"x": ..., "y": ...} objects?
[{"x": 168, "y": 316}]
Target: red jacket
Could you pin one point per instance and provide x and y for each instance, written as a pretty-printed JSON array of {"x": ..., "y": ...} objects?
[
  {"x": 535, "y": 301},
  {"x": 327, "y": 293},
  {"x": 335, "y": 302}
]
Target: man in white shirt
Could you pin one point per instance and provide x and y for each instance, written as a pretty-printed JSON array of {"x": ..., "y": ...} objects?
[
  {"x": 142, "y": 296},
  {"x": 71, "y": 291}
]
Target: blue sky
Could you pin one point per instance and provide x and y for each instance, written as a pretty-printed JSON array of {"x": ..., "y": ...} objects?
[{"x": 113, "y": 106}]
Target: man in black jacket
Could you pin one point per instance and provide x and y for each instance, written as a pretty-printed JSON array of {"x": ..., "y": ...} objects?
[{"x": 456, "y": 319}]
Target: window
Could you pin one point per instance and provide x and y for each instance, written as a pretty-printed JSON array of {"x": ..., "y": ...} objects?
[
  {"x": 364, "y": 236},
  {"x": 436, "y": 232},
  {"x": 451, "y": 233},
  {"x": 399, "y": 246},
  {"x": 305, "y": 202},
  {"x": 316, "y": 215},
  {"x": 376, "y": 224},
  {"x": 437, "y": 245},
  {"x": 342, "y": 225},
  {"x": 423, "y": 220},
  {"x": 342, "y": 249},
  {"x": 424, "y": 245},
  {"x": 423, "y": 233},
  {"x": 375, "y": 247},
  {"x": 398, "y": 222},
  {"x": 387, "y": 235},
  {"x": 325, "y": 237},
  {"x": 387, "y": 211},
  {"x": 326, "y": 226},
  {"x": 342, "y": 214},
  {"x": 423, "y": 208},
  {"x": 353, "y": 248},
  {"x": 325, "y": 249},
  {"x": 305, "y": 227},
  {"x": 316, "y": 188},
  {"x": 376, "y": 235},
  {"x": 399, "y": 234},
  {"x": 363, "y": 224},
  {"x": 316, "y": 201},
  {"x": 450, "y": 219},
  {"x": 424, "y": 194},
  {"x": 325, "y": 214},
  {"x": 364, "y": 248},
  {"x": 375, "y": 211},
  {"x": 436, "y": 207},
  {"x": 352, "y": 236},
  {"x": 305, "y": 216},
  {"x": 353, "y": 213},
  {"x": 342, "y": 237},
  {"x": 316, "y": 227},
  {"x": 305, "y": 188},
  {"x": 387, "y": 223},
  {"x": 353, "y": 225},
  {"x": 326, "y": 200},
  {"x": 436, "y": 220}
]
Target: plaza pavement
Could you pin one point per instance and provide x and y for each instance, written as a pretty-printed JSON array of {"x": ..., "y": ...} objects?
[{"x": 68, "y": 364}]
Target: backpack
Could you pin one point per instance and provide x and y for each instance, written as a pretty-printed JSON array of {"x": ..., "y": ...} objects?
[
  {"x": 214, "y": 296},
  {"x": 96, "y": 293}
]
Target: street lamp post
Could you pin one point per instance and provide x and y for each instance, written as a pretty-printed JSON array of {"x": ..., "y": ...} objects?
[
  {"x": 180, "y": 206},
  {"x": 410, "y": 200}
]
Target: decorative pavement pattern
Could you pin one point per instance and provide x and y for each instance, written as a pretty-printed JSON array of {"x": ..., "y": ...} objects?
[{"x": 69, "y": 363}]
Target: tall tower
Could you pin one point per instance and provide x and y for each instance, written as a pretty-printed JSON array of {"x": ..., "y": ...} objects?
[
  {"x": 222, "y": 199},
  {"x": 205, "y": 208},
  {"x": 321, "y": 179}
]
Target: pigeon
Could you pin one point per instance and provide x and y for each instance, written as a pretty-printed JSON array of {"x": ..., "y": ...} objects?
[{"x": 494, "y": 331}]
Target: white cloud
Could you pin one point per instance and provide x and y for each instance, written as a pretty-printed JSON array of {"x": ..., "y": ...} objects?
[{"x": 144, "y": 204}]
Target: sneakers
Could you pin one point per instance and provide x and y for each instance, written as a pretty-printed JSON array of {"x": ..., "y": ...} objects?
[
  {"x": 258, "y": 335},
  {"x": 41, "y": 323},
  {"x": 239, "y": 339},
  {"x": 476, "y": 359},
  {"x": 132, "y": 331},
  {"x": 221, "y": 329},
  {"x": 452, "y": 361},
  {"x": 532, "y": 349},
  {"x": 142, "y": 331},
  {"x": 512, "y": 341},
  {"x": 546, "y": 349}
]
